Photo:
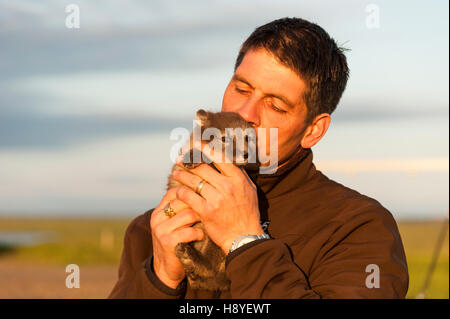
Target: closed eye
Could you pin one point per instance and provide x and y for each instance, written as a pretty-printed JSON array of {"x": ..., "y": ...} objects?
[
  {"x": 241, "y": 91},
  {"x": 278, "y": 109}
]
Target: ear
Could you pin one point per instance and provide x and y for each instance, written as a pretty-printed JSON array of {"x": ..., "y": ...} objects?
[
  {"x": 202, "y": 115},
  {"x": 316, "y": 130}
]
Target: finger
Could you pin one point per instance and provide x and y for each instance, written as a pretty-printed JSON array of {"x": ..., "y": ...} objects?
[
  {"x": 192, "y": 181},
  {"x": 169, "y": 196},
  {"x": 247, "y": 178},
  {"x": 227, "y": 169},
  {"x": 209, "y": 174},
  {"x": 177, "y": 205},
  {"x": 188, "y": 234},
  {"x": 158, "y": 214},
  {"x": 191, "y": 198},
  {"x": 225, "y": 166},
  {"x": 220, "y": 182},
  {"x": 185, "y": 218}
]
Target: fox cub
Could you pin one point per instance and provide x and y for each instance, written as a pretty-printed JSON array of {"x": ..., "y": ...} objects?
[{"x": 204, "y": 261}]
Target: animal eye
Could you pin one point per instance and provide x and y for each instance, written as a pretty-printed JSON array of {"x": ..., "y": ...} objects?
[{"x": 225, "y": 139}]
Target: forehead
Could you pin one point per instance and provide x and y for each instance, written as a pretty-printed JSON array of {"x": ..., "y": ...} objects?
[{"x": 264, "y": 72}]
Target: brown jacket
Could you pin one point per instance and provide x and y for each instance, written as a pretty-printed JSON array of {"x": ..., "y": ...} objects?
[{"x": 324, "y": 235}]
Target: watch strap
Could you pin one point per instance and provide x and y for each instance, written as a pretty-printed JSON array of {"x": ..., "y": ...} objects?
[{"x": 245, "y": 239}]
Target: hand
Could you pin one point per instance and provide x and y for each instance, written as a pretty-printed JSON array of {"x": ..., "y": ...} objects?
[
  {"x": 167, "y": 233},
  {"x": 228, "y": 204}
]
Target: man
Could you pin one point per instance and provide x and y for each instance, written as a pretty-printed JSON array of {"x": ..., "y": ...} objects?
[{"x": 325, "y": 240}]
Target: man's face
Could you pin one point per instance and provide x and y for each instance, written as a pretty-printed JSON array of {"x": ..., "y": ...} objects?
[{"x": 269, "y": 95}]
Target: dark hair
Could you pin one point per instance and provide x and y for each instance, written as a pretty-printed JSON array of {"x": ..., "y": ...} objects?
[{"x": 309, "y": 51}]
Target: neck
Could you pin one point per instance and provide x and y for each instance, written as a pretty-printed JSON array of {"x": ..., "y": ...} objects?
[
  {"x": 286, "y": 164},
  {"x": 290, "y": 173}
]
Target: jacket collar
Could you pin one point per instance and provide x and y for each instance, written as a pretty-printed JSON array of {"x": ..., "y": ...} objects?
[{"x": 290, "y": 174}]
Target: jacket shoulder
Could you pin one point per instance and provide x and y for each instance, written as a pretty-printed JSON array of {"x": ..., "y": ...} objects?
[
  {"x": 140, "y": 224},
  {"x": 138, "y": 239},
  {"x": 360, "y": 218},
  {"x": 355, "y": 213},
  {"x": 362, "y": 232},
  {"x": 349, "y": 202}
]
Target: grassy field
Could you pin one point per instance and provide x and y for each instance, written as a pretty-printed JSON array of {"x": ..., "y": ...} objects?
[
  {"x": 80, "y": 241},
  {"x": 419, "y": 240},
  {"x": 97, "y": 243}
]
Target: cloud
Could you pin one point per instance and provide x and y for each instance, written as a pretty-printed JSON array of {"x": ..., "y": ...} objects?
[
  {"x": 409, "y": 165},
  {"x": 32, "y": 129},
  {"x": 353, "y": 111},
  {"x": 27, "y": 122},
  {"x": 163, "y": 36},
  {"x": 61, "y": 52},
  {"x": 150, "y": 35},
  {"x": 36, "y": 42}
]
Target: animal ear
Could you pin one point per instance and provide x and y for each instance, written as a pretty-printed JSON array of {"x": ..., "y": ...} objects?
[{"x": 202, "y": 115}]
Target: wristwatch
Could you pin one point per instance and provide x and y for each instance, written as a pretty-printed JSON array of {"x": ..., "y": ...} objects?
[{"x": 242, "y": 240}]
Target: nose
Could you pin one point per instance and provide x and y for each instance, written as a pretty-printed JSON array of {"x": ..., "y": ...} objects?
[{"x": 249, "y": 111}]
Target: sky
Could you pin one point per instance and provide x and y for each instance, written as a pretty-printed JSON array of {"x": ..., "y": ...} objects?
[{"x": 86, "y": 113}]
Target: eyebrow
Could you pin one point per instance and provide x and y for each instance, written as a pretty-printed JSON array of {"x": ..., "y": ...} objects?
[{"x": 278, "y": 96}]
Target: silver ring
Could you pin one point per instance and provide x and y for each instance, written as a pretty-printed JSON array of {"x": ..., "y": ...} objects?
[{"x": 199, "y": 187}]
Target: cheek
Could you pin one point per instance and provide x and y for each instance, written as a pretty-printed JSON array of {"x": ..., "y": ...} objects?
[
  {"x": 288, "y": 137},
  {"x": 228, "y": 102}
]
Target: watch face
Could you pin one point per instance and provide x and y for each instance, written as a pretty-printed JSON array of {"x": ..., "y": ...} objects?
[{"x": 246, "y": 240}]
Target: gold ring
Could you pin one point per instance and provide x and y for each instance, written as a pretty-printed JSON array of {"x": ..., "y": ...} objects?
[
  {"x": 169, "y": 211},
  {"x": 199, "y": 187}
]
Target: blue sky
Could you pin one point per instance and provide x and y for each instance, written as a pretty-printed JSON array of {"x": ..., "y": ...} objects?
[{"x": 86, "y": 114}]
